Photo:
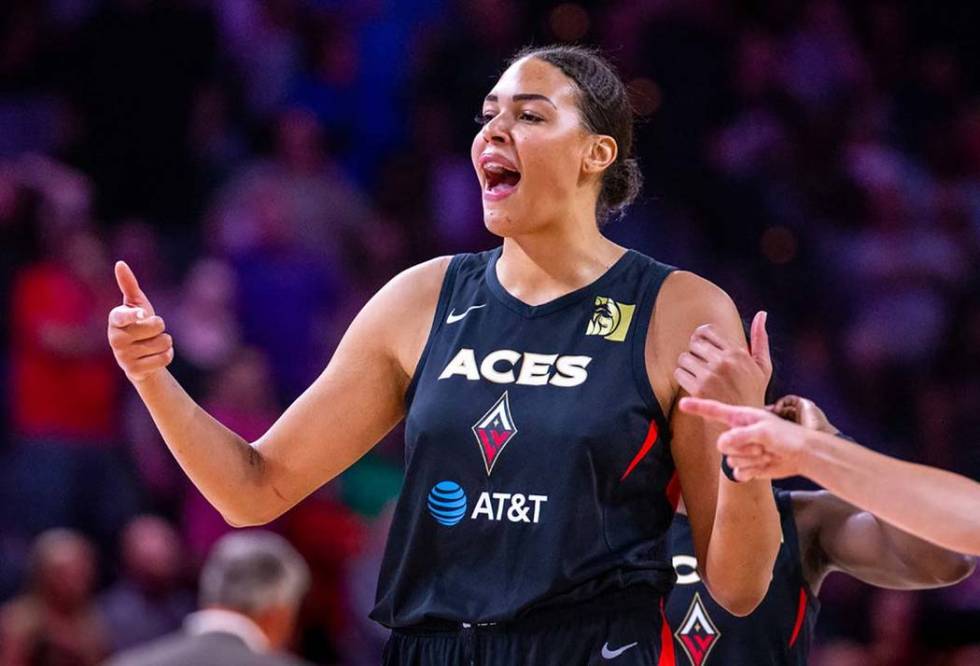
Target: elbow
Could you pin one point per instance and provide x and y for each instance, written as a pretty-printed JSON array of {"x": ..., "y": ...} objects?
[
  {"x": 739, "y": 597},
  {"x": 240, "y": 520},
  {"x": 739, "y": 605},
  {"x": 240, "y": 517}
]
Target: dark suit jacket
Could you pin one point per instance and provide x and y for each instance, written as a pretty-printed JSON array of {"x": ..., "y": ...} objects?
[{"x": 209, "y": 649}]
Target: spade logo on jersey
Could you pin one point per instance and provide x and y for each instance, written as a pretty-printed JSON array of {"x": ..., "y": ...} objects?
[
  {"x": 610, "y": 319},
  {"x": 494, "y": 430},
  {"x": 697, "y": 633}
]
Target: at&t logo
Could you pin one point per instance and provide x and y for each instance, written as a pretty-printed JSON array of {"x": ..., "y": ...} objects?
[{"x": 447, "y": 503}]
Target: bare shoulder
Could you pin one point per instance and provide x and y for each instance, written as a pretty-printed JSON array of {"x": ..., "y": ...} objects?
[
  {"x": 685, "y": 301},
  {"x": 417, "y": 285},
  {"x": 808, "y": 507},
  {"x": 402, "y": 311},
  {"x": 816, "y": 512}
]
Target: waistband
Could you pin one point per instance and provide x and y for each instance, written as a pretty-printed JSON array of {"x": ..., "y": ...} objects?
[{"x": 636, "y": 598}]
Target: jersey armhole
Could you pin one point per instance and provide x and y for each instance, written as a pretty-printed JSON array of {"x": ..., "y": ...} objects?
[
  {"x": 787, "y": 521},
  {"x": 448, "y": 281},
  {"x": 650, "y": 285}
]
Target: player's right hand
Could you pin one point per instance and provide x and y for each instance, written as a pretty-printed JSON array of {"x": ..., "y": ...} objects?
[
  {"x": 759, "y": 444},
  {"x": 136, "y": 333}
]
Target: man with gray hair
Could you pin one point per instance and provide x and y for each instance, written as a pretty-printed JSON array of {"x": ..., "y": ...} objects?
[{"x": 250, "y": 592}]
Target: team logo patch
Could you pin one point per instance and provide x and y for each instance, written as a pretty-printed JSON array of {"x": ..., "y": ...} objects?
[
  {"x": 697, "y": 633},
  {"x": 610, "y": 319},
  {"x": 494, "y": 430}
]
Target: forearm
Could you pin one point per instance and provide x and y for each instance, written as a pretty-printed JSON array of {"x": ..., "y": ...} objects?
[
  {"x": 936, "y": 505},
  {"x": 225, "y": 468},
  {"x": 744, "y": 544}
]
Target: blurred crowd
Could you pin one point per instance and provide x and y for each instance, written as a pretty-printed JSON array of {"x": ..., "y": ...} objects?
[{"x": 265, "y": 165}]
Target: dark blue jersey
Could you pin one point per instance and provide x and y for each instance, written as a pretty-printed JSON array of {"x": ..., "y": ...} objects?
[
  {"x": 780, "y": 630},
  {"x": 537, "y": 457}
]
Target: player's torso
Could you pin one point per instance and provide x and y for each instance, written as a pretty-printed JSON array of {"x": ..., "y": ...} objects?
[
  {"x": 777, "y": 633},
  {"x": 536, "y": 455}
]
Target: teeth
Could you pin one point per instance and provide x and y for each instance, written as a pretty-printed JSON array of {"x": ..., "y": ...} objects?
[{"x": 494, "y": 168}]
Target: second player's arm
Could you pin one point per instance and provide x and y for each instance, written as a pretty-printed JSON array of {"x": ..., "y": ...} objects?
[
  {"x": 935, "y": 504},
  {"x": 939, "y": 506},
  {"x": 735, "y": 526},
  {"x": 838, "y": 536},
  {"x": 357, "y": 399}
]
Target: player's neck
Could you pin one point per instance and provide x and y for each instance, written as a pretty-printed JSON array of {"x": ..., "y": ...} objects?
[{"x": 540, "y": 267}]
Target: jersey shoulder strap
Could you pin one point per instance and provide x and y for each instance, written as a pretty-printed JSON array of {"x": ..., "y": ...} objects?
[
  {"x": 651, "y": 280},
  {"x": 438, "y": 319}
]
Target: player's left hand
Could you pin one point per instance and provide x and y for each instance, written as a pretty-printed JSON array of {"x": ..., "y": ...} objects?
[
  {"x": 759, "y": 444},
  {"x": 716, "y": 369}
]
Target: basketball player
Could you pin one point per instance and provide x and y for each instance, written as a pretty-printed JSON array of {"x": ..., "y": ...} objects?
[
  {"x": 821, "y": 533},
  {"x": 936, "y": 505},
  {"x": 536, "y": 381}
]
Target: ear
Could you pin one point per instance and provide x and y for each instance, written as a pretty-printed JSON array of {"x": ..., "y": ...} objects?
[{"x": 601, "y": 152}]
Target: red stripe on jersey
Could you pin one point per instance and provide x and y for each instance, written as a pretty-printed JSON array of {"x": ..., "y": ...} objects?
[
  {"x": 674, "y": 491},
  {"x": 800, "y": 614},
  {"x": 648, "y": 443},
  {"x": 666, "y": 640}
]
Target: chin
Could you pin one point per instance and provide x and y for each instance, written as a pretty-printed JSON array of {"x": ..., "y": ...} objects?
[{"x": 499, "y": 222}]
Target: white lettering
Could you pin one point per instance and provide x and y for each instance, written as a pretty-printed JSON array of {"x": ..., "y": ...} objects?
[
  {"x": 686, "y": 568},
  {"x": 501, "y": 498},
  {"x": 571, "y": 370},
  {"x": 535, "y": 369},
  {"x": 538, "y": 501},
  {"x": 482, "y": 507},
  {"x": 514, "y": 507},
  {"x": 488, "y": 369},
  {"x": 464, "y": 363}
]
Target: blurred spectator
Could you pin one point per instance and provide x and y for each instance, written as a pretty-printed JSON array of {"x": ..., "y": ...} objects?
[
  {"x": 149, "y": 599},
  {"x": 300, "y": 187},
  {"x": 204, "y": 320},
  {"x": 241, "y": 396},
  {"x": 65, "y": 395},
  {"x": 56, "y": 622},
  {"x": 250, "y": 592}
]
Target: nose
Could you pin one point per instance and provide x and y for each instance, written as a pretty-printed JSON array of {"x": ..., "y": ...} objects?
[{"x": 494, "y": 131}]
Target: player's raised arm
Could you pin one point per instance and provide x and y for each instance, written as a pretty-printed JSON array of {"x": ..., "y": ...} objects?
[
  {"x": 735, "y": 527},
  {"x": 936, "y": 505},
  {"x": 351, "y": 405}
]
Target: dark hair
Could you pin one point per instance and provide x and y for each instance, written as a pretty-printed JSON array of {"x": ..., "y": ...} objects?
[{"x": 606, "y": 109}]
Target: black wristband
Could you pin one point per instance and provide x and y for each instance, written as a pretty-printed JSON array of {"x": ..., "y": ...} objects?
[{"x": 727, "y": 469}]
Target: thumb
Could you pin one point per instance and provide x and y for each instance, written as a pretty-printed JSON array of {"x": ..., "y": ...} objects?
[
  {"x": 760, "y": 342},
  {"x": 130, "y": 288}
]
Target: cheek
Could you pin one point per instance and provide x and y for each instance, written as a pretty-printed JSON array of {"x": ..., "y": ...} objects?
[
  {"x": 476, "y": 149},
  {"x": 554, "y": 167}
]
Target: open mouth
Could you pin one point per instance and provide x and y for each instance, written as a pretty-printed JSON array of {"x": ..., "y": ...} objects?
[{"x": 500, "y": 181}]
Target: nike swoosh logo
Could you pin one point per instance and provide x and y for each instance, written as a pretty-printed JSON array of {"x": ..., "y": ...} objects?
[
  {"x": 453, "y": 317},
  {"x": 612, "y": 654}
]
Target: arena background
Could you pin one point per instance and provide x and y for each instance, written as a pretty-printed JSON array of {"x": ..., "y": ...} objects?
[{"x": 265, "y": 166}]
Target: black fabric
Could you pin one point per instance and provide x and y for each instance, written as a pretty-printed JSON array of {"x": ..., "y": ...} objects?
[
  {"x": 706, "y": 635},
  {"x": 526, "y": 483},
  {"x": 619, "y": 628}
]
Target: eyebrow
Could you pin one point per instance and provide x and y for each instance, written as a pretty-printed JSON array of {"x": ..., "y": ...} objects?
[{"x": 522, "y": 97}]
